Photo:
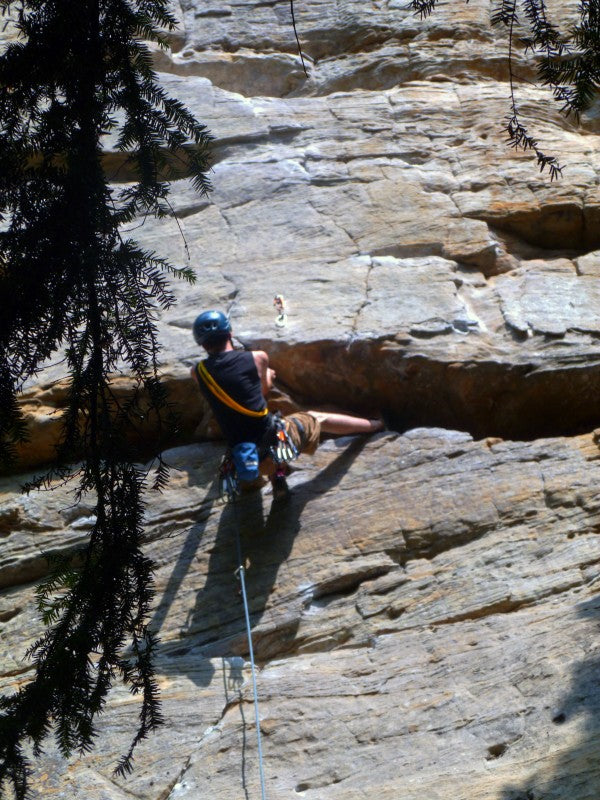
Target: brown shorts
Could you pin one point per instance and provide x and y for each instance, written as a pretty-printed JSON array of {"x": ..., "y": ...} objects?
[{"x": 305, "y": 438}]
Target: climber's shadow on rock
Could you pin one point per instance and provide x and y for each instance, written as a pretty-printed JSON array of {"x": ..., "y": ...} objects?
[
  {"x": 189, "y": 547},
  {"x": 216, "y": 623},
  {"x": 575, "y": 771}
]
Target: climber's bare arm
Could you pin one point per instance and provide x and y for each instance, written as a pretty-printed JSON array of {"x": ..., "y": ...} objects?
[{"x": 265, "y": 373}]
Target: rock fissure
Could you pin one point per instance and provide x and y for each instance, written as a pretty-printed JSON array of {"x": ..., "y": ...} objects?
[
  {"x": 9, "y": 613},
  {"x": 506, "y": 606},
  {"x": 338, "y": 225},
  {"x": 365, "y": 300},
  {"x": 282, "y": 135},
  {"x": 550, "y": 227},
  {"x": 168, "y": 792},
  {"x": 517, "y": 402},
  {"x": 513, "y": 401},
  {"x": 216, "y": 12},
  {"x": 230, "y": 705},
  {"x": 120, "y": 788},
  {"x": 12, "y": 673}
]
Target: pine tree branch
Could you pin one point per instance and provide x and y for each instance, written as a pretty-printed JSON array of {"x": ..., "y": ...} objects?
[{"x": 74, "y": 282}]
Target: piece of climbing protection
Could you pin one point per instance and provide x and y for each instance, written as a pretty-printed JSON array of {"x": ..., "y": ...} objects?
[
  {"x": 284, "y": 449},
  {"x": 229, "y": 486},
  {"x": 279, "y": 304}
]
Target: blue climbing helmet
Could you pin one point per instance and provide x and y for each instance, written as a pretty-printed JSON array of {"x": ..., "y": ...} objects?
[{"x": 210, "y": 325}]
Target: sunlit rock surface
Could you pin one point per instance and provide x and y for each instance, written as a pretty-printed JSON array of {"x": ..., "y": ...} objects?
[
  {"x": 424, "y": 620},
  {"x": 424, "y": 609},
  {"x": 426, "y": 267}
]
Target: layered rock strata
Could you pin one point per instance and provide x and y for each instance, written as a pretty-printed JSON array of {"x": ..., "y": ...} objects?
[
  {"x": 424, "y": 609},
  {"x": 424, "y": 618},
  {"x": 426, "y": 268}
]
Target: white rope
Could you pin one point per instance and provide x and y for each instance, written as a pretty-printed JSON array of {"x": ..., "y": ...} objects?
[{"x": 240, "y": 572}]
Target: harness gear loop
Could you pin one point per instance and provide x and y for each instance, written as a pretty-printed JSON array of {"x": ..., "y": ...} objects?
[
  {"x": 222, "y": 395},
  {"x": 283, "y": 450}
]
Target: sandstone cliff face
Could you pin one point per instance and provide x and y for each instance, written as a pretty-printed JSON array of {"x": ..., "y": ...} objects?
[{"x": 424, "y": 609}]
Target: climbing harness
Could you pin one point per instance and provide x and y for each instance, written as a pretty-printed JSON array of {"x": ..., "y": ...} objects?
[
  {"x": 279, "y": 304},
  {"x": 282, "y": 451}
]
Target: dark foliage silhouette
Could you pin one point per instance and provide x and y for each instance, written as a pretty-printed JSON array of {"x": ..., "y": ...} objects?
[
  {"x": 70, "y": 280},
  {"x": 567, "y": 58}
]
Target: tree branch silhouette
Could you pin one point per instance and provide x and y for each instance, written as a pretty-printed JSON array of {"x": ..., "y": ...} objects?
[{"x": 68, "y": 280}]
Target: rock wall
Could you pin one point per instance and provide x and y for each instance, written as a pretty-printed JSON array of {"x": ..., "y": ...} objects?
[
  {"x": 427, "y": 268},
  {"x": 424, "y": 609}
]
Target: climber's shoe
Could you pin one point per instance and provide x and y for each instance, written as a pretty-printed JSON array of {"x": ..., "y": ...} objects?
[{"x": 390, "y": 420}]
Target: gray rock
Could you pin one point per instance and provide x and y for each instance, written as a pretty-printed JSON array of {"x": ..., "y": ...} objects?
[
  {"x": 424, "y": 609},
  {"x": 420, "y": 609}
]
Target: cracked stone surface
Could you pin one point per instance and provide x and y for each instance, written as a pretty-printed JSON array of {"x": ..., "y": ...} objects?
[
  {"x": 382, "y": 201},
  {"x": 424, "y": 616},
  {"x": 425, "y": 609}
]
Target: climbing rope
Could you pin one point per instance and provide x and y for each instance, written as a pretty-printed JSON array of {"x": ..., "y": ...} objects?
[
  {"x": 240, "y": 573},
  {"x": 281, "y": 451}
]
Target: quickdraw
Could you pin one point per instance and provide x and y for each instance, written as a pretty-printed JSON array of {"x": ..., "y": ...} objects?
[
  {"x": 279, "y": 304},
  {"x": 284, "y": 450},
  {"x": 229, "y": 486}
]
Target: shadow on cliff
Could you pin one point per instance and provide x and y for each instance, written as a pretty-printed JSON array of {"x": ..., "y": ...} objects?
[
  {"x": 215, "y": 626},
  {"x": 575, "y": 772},
  {"x": 185, "y": 558}
]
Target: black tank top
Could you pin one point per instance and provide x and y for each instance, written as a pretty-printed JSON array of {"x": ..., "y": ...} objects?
[{"x": 235, "y": 372}]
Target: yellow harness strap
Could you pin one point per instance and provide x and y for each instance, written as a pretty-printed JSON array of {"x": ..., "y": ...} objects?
[{"x": 222, "y": 395}]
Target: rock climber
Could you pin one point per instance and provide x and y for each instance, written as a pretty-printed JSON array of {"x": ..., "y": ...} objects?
[{"x": 241, "y": 381}]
